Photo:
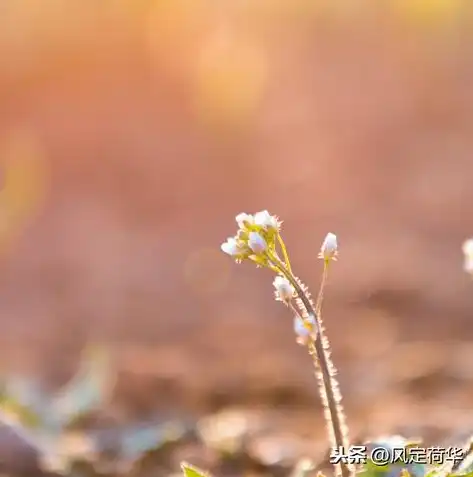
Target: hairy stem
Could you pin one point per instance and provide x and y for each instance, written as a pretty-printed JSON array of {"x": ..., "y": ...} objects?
[
  {"x": 319, "y": 350},
  {"x": 320, "y": 296}
]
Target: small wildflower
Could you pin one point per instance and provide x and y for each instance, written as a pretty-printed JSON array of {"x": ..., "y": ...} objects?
[
  {"x": 257, "y": 243},
  {"x": 467, "y": 248},
  {"x": 265, "y": 220},
  {"x": 329, "y": 249},
  {"x": 244, "y": 220},
  {"x": 305, "y": 329},
  {"x": 232, "y": 247},
  {"x": 284, "y": 290}
]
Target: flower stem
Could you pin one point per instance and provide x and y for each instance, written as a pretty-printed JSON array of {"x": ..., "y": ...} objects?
[
  {"x": 319, "y": 350},
  {"x": 284, "y": 252},
  {"x": 320, "y": 296}
]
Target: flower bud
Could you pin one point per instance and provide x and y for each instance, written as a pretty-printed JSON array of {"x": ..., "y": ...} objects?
[
  {"x": 305, "y": 329},
  {"x": 231, "y": 247},
  {"x": 265, "y": 220},
  {"x": 256, "y": 242},
  {"x": 244, "y": 220},
  {"x": 329, "y": 249},
  {"x": 284, "y": 290}
]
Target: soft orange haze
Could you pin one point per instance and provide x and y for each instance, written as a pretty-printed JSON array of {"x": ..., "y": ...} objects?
[{"x": 132, "y": 133}]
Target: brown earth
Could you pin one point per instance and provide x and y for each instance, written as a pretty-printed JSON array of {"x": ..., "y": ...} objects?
[{"x": 362, "y": 128}]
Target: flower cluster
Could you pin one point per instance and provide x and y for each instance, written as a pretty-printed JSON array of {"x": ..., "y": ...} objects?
[
  {"x": 256, "y": 239},
  {"x": 256, "y": 235}
]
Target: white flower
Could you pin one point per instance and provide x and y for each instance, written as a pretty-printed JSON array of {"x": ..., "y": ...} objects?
[
  {"x": 329, "y": 249},
  {"x": 231, "y": 247},
  {"x": 257, "y": 243},
  {"x": 468, "y": 266},
  {"x": 284, "y": 289},
  {"x": 266, "y": 220},
  {"x": 305, "y": 329},
  {"x": 467, "y": 248},
  {"x": 243, "y": 219}
]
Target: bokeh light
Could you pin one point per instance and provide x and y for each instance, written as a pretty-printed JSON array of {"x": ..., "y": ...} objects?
[
  {"x": 173, "y": 31},
  {"x": 230, "y": 79},
  {"x": 430, "y": 13},
  {"x": 25, "y": 182}
]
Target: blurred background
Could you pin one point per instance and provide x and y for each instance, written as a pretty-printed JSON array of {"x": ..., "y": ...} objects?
[{"x": 131, "y": 134}]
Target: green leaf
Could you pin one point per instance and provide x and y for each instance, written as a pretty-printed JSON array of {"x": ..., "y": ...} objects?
[
  {"x": 464, "y": 474},
  {"x": 87, "y": 389},
  {"x": 393, "y": 469},
  {"x": 23, "y": 399},
  {"x": 191, "y": 471},
  {"x": 138, "y": 441}
]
